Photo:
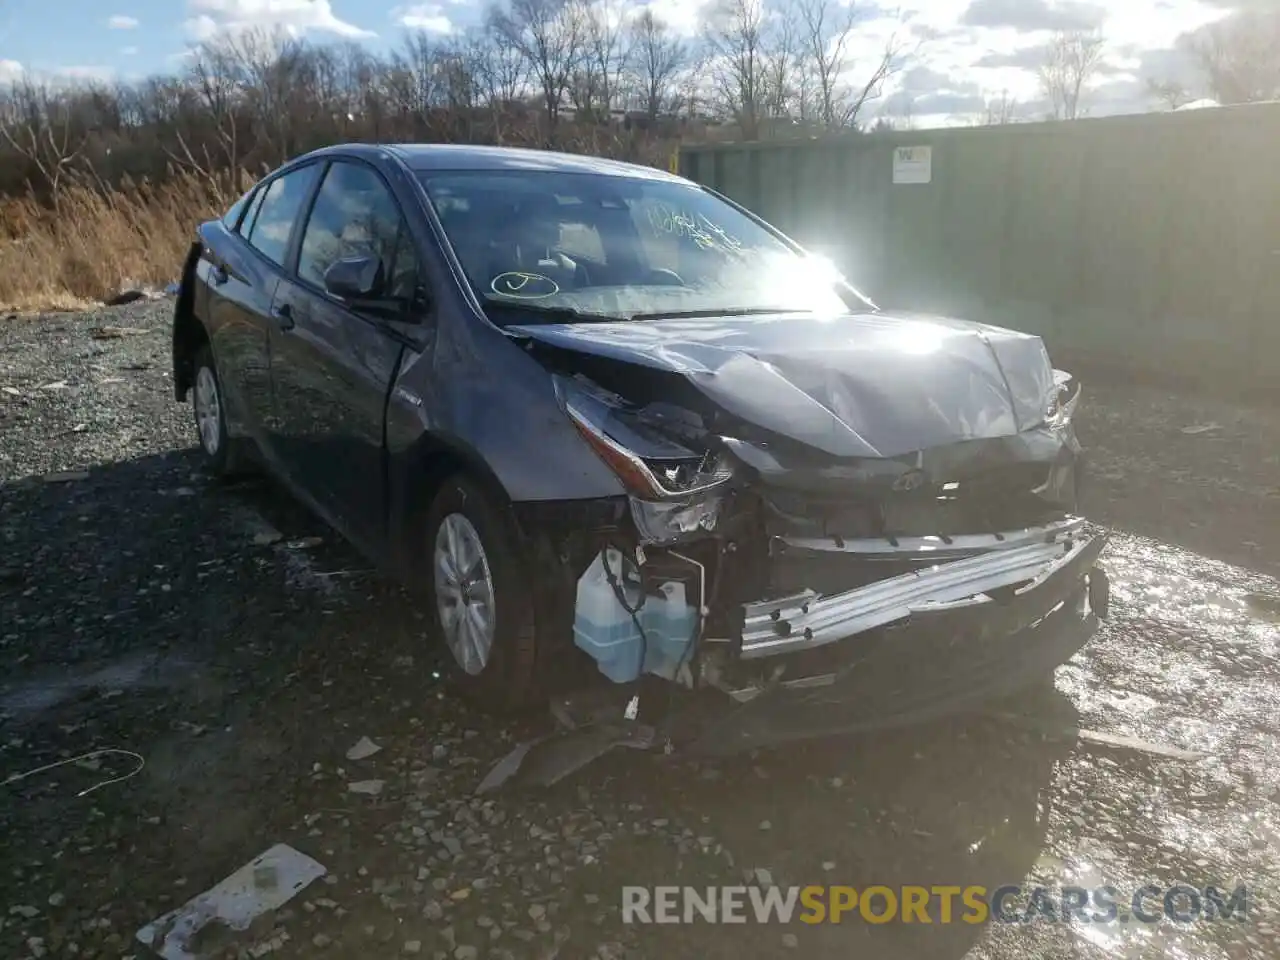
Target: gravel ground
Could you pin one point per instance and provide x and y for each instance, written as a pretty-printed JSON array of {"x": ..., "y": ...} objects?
[{"x": 227, "y": 637}]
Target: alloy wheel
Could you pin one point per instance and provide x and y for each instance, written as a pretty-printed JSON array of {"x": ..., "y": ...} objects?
[
  {"x": 464, "y": 593},
  {"x": 208, "y": 408}
]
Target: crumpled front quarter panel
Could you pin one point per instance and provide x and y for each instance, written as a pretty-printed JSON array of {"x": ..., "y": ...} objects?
[{"x": 478, "y": 390}]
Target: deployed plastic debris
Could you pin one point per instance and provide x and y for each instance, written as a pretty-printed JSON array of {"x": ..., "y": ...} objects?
[{"x": 551, "y": 758}]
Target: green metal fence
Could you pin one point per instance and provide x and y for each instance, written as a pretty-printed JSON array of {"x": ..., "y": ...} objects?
[{"x": 1151, "y": 240}]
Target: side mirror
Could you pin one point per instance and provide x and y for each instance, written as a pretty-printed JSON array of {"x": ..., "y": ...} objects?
[{"x": 356, "y": 279}]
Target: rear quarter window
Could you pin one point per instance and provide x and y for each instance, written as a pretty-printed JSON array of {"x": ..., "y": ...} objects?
[
  {"x": 255, "y": 204},
  {"x": 231, "y": 219}
]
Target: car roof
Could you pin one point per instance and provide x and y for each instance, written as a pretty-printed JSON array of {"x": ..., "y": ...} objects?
[{"x": 449, "y": 156}]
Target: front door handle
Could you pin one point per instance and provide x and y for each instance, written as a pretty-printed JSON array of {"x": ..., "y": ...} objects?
[
  {"x": 283, "y": 314},
  {"x": 218, "y": 275}
]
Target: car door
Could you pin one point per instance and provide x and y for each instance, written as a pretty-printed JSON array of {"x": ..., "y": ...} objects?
[
  {"x": 241, "y": 281},
  {"x": 332, "y": 362}
]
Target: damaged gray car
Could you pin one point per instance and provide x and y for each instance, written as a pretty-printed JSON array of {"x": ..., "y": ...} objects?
[{"x": 603, "y": 416}]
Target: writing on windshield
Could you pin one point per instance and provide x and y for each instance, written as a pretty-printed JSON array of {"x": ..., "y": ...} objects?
[{"x": 664, "y": 219}]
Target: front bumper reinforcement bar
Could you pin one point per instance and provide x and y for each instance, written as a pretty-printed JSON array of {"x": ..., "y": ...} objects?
[{"x": 806, "y": 620}]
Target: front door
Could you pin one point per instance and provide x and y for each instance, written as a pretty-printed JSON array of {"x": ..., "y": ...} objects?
[{"x": 332, "y": 362}]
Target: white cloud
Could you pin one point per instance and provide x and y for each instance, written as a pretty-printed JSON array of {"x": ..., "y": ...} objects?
[
  {"x": 84, "y": 73},
  {"x": 684, "y": 17},
  {"x": 12, "y": 71},
  {"x": 423, "y": 16},
  {"x": 129, "y": 51},
  {"x": 122, "y": 22},
  {"x": 212, "y": 17},
  {"x": 1002, "y": 59},
  {"x": 58, "y": 76}
]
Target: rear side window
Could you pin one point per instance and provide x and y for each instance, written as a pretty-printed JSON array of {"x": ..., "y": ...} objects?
[{"x": 283, "y": 198}]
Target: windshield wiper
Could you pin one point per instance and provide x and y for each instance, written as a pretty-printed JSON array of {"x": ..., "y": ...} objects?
[
  {"x": 719, "y": 312},
  {"x": 561, "y": 314}
]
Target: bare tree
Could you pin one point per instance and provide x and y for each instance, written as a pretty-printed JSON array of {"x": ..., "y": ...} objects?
[
  {"x": 737, "y": 42},
  {"x": 657, "y": 57},
  {"x": 1238, "y": 57},
  {"x": 781, "y": 65},
  {"x": 419, "y": 63},
  {"x": 1071, "y": 59},
  {"x": 605, "y": 54},
  {"x": 549, "y": 35},
  {"x": 1169, "y": 93},
  {"x": 502, "y": 77},
  {"x": 40, "y": 128},
  {"x": 691, "y": 90},
  {"x": 826, "y": 28},
  {"x": 999, "y": 110},
  {"x": 215, "y": 78}
]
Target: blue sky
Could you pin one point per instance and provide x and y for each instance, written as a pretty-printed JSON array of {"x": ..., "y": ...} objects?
[
  {"x": 127, "y": 38},
  {"x": 962, "y": 51}
]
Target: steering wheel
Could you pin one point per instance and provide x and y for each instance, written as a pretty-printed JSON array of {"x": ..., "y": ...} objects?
[{"x": 661, "y": 276}]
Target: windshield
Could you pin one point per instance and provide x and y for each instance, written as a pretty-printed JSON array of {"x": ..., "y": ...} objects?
[{"x": 602, "y": 247}]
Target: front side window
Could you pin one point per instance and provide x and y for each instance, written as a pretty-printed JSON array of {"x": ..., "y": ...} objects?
[
  {"x": 356, "y": 215},
  {"x": 621, "y": 247},
  {"x": 269, "y": 232}
]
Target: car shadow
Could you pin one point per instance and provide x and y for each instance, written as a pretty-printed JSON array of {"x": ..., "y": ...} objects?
[{"x": 957, "y": 803}]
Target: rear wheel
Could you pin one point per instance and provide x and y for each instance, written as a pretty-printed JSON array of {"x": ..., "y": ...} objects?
[
  {"x": 482, "y": 609},
  {"x": 223, "y": 454}
]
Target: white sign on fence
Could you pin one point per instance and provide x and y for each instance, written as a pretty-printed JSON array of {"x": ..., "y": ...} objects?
[{"x": 912, "y": 164}]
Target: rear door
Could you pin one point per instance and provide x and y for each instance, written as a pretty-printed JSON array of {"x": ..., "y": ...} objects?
[
  {"x": 241, "y": 278},
  {"x": 333, "y": 363}
]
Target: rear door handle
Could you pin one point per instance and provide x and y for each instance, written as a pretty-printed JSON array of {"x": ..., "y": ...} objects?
[{"x": 283, "y": 314}]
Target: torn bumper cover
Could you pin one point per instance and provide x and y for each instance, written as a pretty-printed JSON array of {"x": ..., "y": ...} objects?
[{"x": 917, "y": 646}]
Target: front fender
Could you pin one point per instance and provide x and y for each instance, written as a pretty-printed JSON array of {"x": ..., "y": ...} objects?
[{"x": 483, "y": 396}]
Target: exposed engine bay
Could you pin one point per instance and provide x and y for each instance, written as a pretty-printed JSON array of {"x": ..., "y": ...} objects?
[{"x": 791, "y": 511}]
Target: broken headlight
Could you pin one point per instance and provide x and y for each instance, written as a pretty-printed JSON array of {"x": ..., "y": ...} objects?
[
  {"x": 664, "y": 522},
  {"x": 674, "y": 491},
  {"x": 1063, "y": 398}
]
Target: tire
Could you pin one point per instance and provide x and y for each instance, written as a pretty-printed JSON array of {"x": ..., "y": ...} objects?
[
  {"x": 489, "y": 638},
  {"x": 224, "y": 455}
]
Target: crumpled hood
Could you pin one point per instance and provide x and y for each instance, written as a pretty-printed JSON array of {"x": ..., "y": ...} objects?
[{"x": 860, "y": 385}]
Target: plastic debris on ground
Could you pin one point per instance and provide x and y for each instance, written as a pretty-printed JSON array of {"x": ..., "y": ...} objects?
[
  {"x": 580, "y": 739},
  {"x": 363, "y": 749},
  {"x": 202, "y": 926}
]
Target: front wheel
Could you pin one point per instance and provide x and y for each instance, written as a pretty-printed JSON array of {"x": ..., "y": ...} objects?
[{"x": 483, "y": 611}]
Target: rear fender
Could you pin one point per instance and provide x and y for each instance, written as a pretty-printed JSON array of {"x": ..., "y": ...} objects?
[{"x": 188, "y": 332}]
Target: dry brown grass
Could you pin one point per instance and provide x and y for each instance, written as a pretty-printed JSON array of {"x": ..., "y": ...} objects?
[{"x": 96, "y": 242}]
